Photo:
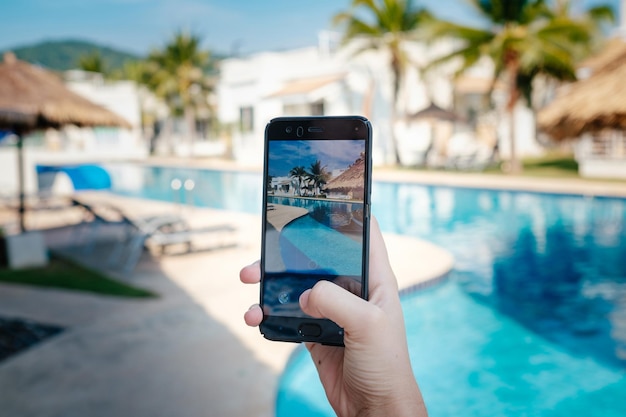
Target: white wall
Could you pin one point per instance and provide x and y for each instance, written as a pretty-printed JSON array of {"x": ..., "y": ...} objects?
[
  {"x": 525, "y": 134},
  {"x": 251, "y": 82},
  {"x": 602, "y": 168},
  {"x": 120, "y": 97}
]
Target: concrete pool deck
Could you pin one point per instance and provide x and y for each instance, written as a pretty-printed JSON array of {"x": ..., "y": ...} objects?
[
  {"x": 280, "y": 215},
  {"x": 187, "y": 353}
]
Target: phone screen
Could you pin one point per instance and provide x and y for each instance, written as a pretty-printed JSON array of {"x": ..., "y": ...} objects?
[{"x": 316, "y": 212}]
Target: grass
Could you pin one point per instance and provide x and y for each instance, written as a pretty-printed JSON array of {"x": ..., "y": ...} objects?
[
  {"x": 61, "y": 273},
  {"x": 551, "y": 166},
  {"x": 556, "y": 165}
]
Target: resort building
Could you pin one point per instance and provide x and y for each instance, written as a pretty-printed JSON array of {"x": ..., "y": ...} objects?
[
  {"x": 122, "y": 98},
  {"x": 329, "y": 80},
  {"x": 284, "y": 186}
]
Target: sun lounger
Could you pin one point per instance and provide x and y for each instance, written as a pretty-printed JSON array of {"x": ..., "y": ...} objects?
[
  {"x": 160, "y": 231},
  {"x": 465, "y": 153}
]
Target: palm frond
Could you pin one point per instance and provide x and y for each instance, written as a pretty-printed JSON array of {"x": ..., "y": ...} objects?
[
  {"x": 602, "y": 14},
  {"x": 358, "y": 28},
  {"x": 435, "y": 30}
]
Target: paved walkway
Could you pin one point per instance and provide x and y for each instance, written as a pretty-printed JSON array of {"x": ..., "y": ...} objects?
[{"x": 187, "y": 353}]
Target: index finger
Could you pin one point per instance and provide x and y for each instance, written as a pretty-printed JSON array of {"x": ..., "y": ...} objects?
[
  {"x": 251, "y": 274},
  {"x": 380, "y": 272}
]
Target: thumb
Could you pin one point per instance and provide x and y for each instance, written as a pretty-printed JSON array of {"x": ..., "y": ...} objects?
[{"x": 330, "y": 301}]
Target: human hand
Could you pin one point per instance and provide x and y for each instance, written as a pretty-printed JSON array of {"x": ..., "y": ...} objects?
[{"x": 372, "y": 375}]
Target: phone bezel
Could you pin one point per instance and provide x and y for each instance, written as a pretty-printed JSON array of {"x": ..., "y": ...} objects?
[{"x": 284, "y": 328}]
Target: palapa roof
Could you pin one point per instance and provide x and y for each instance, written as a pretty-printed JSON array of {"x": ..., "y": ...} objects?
[
  {"x": 434, "y": 112},
  {"x": 350, "y": 179},
  {"x": 33, "y": 98},
  {"x": 608, "y": 58},
  {"x": 593, "y": 104}
]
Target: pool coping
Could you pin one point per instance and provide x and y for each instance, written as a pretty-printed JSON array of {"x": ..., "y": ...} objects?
[{"x": 462, "y": 179}]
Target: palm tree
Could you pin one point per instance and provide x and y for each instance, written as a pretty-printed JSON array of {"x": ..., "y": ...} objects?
[
  {"x": 318, "y": 176},
  {"x": 92, "y": 62},
  {"x": 299, "y": 173},
  {"x": 139, "y": 72},
  {"x": 177, "y": 76},
  {"x": 384, "y": 25},
  {"x": 524, "y": 39},
  {"x": 269, "y": 180}
]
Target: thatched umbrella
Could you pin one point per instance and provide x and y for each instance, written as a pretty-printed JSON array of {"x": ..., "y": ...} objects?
[
  {"x": 592, "y": 104},
  {"x": 350, "y": 181},
  {"x": 32, "y": 98},
  {"x": 434, "y": 112}
]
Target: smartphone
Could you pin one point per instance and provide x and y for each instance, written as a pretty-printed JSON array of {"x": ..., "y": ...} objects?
[{"x": 316, "y": 212}]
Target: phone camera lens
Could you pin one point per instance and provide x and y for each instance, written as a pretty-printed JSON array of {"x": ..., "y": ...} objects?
[
  {"x": 299, "y": 131},
  {"x": 288, "y": 129}
]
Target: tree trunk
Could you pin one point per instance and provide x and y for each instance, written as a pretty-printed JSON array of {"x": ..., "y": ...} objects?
[
  {"x": 20, "y": 180},
  {"x": 394, "y": 139},
  {"x": 513, "y": 64},
  {"x": 166, "y": 134},
  {"x": 515, "y": 165},
  {"x": 394, "y": 102},
  {"x": 190, "y": 119}
]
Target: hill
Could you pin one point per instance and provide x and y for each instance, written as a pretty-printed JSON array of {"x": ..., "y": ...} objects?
[{"x": 65, "y": 54}]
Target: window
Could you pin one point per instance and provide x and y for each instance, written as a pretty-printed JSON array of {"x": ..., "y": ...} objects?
[
  {"x": 317, "y": 108},
  {"x": 246, "y": 119}
]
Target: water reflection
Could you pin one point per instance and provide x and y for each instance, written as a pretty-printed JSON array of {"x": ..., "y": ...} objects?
[{"x": 554, "y": 263}]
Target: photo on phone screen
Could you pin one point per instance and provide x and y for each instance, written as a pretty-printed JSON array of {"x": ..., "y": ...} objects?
[{"x": 315, "y": 218}]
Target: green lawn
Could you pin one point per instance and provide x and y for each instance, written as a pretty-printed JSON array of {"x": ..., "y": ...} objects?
[
  {"x": 550, "y": 166},
  {"x": 61, "y": 273}
]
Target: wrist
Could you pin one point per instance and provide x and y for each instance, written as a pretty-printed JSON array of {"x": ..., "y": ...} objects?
[{"x": 406, "y": 401}]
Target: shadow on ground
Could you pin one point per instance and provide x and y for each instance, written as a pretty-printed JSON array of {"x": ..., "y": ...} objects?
[{"x": 156, "y": 357}]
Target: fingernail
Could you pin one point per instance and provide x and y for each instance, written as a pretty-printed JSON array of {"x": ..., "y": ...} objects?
[{"x": 304, "y": 299}]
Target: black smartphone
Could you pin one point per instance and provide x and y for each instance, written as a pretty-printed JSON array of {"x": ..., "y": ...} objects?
[{"x": 316, "y": 211}]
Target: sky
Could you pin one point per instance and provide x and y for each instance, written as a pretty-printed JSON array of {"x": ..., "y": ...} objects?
[
  {"x": 335, "y": 154},
  {"x": 235, "y": 27}
]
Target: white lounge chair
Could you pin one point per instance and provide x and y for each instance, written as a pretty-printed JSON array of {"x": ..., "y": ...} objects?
[{"x": 158, "y": 231}]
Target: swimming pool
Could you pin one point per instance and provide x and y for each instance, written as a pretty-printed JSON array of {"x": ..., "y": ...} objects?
[
  {"x": 311, "y": 243},
  {"x": 532, "y": 320}
]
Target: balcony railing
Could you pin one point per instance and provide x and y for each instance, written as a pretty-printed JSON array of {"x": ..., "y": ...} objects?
[{"x": 608, "y": 144}]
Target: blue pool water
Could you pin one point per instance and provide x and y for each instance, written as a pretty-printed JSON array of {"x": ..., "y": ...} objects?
[
  {"x": 532, "y": 321},
  {"x": 329, "y": 251},
  {"x": 311, "y": 243}
]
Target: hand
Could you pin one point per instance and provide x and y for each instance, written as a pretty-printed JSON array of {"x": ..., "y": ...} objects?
[{"x": 372, "y": 375}]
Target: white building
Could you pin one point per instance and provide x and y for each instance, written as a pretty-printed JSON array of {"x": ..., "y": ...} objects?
[
  {"x": 120, "y": 97},
  {"x": 325, "y": 80}
]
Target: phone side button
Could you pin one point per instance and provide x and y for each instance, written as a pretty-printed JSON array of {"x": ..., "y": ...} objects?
[{"x": 310, "y": 330}]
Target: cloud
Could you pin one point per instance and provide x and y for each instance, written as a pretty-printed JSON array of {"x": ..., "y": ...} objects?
[{"x": 336, "y": 154}]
